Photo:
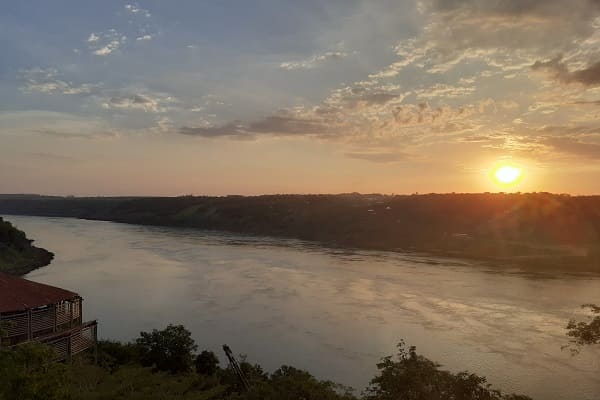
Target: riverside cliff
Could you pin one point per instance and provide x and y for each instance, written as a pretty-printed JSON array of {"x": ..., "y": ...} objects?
[{"x": 18, "y": 256}]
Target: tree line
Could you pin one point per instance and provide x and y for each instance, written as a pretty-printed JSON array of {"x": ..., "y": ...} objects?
[{"x": 165, "y": 364}]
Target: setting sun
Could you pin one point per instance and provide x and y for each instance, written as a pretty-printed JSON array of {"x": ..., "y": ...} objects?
[{"x": 507, "y": 174}]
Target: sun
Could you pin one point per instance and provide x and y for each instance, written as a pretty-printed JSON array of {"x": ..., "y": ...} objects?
[{"x": 507, "y": 174}]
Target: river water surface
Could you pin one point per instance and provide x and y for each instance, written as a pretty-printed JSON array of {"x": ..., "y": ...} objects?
[{"x": 333, "y": 312}]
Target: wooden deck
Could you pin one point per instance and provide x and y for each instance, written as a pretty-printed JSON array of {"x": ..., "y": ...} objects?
[
  {"x": 72, "y": 341},
  {"x": 57, "y": 325}
]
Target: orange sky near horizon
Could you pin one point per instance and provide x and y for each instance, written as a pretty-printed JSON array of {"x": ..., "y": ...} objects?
[{"x": 292, "y": 97}]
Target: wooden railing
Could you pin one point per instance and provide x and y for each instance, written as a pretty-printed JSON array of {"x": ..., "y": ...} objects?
[
  {"x": 31, "y": 324},
  {"x": 73, "y": 341}
]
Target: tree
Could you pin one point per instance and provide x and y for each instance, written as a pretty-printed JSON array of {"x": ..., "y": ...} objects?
[
  {"x": 289, "y": 383},
  {"x": 413, "y": 377},
  {"x": 112, "y": 355},
  {"x": 168, "y": 350},
  {"x": 207, "y": 363},
  {"x": 28, "y": 372},
  {"x": 585, "y": 332}
]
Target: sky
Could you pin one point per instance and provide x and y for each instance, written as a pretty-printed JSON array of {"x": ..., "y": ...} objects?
[{"x": 264, "y": 96}]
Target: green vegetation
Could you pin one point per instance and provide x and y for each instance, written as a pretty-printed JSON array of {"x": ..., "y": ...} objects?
[
  {"x": 17, "y": 255},
  {"x": 157, "y": 366},
  {"x": 411, "y": 376},
  {"x": 585, "y": 333},
  {"x": 532, "y": 230},
  {"x": 168, "y": 350}
]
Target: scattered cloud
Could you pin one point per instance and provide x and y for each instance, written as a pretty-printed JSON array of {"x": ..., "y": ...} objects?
[
  {"x": 76, "y": 135},
  {"x": 46, "y": 80},
  {"x": 313, "y": 61},
  {"x": 155, "y": 103},
  {"x": 135, "y": 9},
  {"x": 232, "y": 129},
  {"x": 574, "y": 146},
  {"x": 558, "y": 70},
  {"x": 105, "y": 43},
  {"x": 378, "y": 157}
]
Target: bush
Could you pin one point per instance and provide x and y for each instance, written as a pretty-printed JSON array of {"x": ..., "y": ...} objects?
[
  {"x": 206, "y": 363},
  {"x": 411, "y": 376},
  {"x": 28, "y": 373},
  {"x": 168, "y": 350},
  {"x": 112, "y": 354}
]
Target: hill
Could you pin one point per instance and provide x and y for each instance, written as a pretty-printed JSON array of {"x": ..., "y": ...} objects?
[
  {"x": 17, "y": 254},
  {"x": 531, "y": 230}
]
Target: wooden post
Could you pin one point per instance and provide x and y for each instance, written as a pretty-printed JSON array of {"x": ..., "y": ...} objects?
[
  {"x": 69, "y": 348},
  {"x": 80, "y": 311},
  {"x": 29, "y": 329},
  {"x": 95, "y": 336},
  {"x": 55, "y": 328},
  {"x": 70, "y": 314}
]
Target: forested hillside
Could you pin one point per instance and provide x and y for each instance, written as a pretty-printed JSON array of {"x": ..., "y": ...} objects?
[
  {"x": 17, "y": 254},
  {"x": 536, "y": 230}
]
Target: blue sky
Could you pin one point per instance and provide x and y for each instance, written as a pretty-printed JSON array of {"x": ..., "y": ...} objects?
[{"x": 217, "y": 97}]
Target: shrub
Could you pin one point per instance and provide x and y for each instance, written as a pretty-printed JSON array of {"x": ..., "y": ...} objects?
[{"x": 168, "y": 350}]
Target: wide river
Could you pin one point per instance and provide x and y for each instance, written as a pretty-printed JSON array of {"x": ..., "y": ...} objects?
[{"x": 333, "y": 312}]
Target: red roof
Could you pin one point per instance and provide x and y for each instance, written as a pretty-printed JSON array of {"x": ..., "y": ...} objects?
[{"x": 17, "y": 294}]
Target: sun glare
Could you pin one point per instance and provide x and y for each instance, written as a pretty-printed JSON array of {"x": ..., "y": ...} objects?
[{"x": 507, "y": 174}]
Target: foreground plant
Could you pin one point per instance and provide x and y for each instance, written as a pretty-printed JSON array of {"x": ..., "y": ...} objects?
[
  {"x": 585, "y": 333},
  {"x": 414, "y": 377}
]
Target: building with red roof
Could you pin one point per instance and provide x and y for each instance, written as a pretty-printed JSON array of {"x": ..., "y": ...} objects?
[{"x": 32, "y": 311}]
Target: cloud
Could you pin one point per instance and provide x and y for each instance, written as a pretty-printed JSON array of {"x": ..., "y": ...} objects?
[
  {"x": 558, "y": 70},
  {"x": 108, "y": 48},
  {"x": 55, "y": 124},
  {"x": 76, "y": 135},
  {"x": 574, "y": 146},
  {"x": 155, "y": 103},
  {"x": 144, "y": 38},
  {"x": 378, "y": 98},
  {"x": 507, "y": 35},
  {"x": 378, "y": 157},
  {"x": 313, "y": 61},
  {"x": 285, "y": 123},
  {"x": 164, "y": 124},
  {"x": 289, "y": 125},
  {"x": 440, "y": 90},
  {"x": 510, "y": 23},
  {"x": 47, "y": 81},
  {"x": 135, "y": 9},
  {"x": 105, "y": 43},
  {"x": 232, "y": 129}
]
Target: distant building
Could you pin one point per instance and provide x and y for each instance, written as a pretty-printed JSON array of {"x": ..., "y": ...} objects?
[{"x": 34, "y": 312}]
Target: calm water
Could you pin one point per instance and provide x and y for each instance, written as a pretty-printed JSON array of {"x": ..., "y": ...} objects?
[{"x": 330, "y": 311}]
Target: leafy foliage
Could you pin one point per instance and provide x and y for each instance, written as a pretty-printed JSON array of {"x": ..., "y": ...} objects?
[
  {"x": 413, "y": 377},
  {"x": 134, "y": 382},
  {"x": 289, "y": 383},
  {"x": 28, "y": 373},
  {"x": 206, "y": 363},
  {"x": 585, "y": 332},
  {"x": 158, "y": 366},
  {"x": 112, "y": 355},
  {"x": 168, "y": 350}
]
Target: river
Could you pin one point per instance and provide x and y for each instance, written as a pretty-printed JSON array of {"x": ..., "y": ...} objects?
[{"x": 334, "y": 312}]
